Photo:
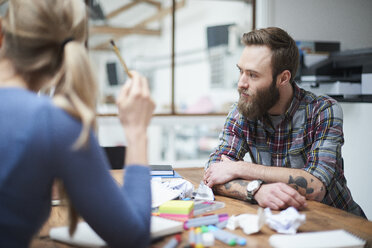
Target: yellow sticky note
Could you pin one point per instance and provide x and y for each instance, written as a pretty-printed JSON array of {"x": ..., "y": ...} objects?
[{"x": 176, "y": 207}]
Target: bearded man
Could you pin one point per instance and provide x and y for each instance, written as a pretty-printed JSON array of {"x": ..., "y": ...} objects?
[{"x": 293, "y": 137}]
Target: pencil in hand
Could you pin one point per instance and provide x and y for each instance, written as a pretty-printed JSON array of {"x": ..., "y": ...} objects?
[{"x": 116, "y": 50}]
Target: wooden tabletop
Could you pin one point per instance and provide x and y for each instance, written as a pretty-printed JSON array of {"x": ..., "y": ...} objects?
[{"x": 319, "y": 217}]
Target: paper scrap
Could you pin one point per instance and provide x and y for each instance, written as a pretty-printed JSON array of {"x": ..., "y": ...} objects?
[
  {"x": 287, "y": 221},
  {"x": 250, "y": 223},
  {"x": 232, "y": 222},
  {"x": 204, "y": 193},
  {"x": 185, "y": 187}
]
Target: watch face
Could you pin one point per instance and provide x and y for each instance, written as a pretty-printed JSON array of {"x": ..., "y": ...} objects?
[{"x": 252, "y": 185}]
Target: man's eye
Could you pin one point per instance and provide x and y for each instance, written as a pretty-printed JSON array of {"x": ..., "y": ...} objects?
[{"x": 253, "y": 75}]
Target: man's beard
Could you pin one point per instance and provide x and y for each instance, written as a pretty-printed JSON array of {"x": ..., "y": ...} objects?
[{"x": 260, "y": 103}]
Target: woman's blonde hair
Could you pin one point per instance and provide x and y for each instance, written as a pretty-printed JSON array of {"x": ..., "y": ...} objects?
[{"x": 44, "y": 41}]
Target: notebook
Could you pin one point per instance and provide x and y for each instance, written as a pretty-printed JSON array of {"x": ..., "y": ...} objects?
[
  {"x": 85, "y": 236},
  {"x": 162, "y": 227},
  {"x": 324, "y": 239}
]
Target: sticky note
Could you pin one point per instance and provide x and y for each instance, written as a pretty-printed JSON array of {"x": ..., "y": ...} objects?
[{"x": 177, "y": 207}]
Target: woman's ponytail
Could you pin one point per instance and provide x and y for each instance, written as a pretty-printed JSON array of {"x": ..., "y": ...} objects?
[{"x": 75, "y": 89}]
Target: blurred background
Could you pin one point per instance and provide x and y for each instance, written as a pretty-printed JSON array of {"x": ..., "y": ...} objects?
[{"x": 188, "y": 49}]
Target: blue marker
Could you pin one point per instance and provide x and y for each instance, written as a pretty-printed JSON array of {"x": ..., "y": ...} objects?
[
  {"x": 227, "y": 237},
  {"x": 222, "y": 224},
  {"x": 206, "y": 220}
]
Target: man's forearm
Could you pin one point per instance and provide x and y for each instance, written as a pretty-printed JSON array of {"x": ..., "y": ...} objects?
[
  {"x": 305, "y": 183},
  {"x": 275, "y": 195},
  {"x": 235, "y": 189}
]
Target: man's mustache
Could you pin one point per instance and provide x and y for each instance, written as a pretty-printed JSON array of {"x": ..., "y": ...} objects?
[{"x": 244, "y": 91}]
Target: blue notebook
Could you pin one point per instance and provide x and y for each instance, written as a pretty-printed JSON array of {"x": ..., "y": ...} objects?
[{"x": 175, "y": 175}]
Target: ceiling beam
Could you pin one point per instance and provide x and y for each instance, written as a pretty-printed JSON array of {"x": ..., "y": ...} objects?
[
  {"x": 162, "y": 12},
  {"x": 122, "y": 31},
  {"x": 155, "y": 3},
  {"x": 130, "y": 5},
  {"x": 122, "y": 9}
]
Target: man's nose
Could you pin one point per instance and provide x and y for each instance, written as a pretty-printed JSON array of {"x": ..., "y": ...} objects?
[{"x": 243, "y": 82}]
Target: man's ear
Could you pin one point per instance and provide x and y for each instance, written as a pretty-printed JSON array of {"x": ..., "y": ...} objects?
[{"x": 283, "y": 78}]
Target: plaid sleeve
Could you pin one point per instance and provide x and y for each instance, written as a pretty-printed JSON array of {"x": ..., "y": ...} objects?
[
  {"x": 325, "y": 160},
  {"x": 232, "y": 139}
]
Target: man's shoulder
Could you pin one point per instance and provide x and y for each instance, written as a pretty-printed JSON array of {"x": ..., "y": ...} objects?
[
  {"x": 317, "y": 101},
  {"x": 315, "y": 105}
]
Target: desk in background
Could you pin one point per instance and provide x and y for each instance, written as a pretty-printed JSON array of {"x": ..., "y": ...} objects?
[{"x": 319, "y": 217}]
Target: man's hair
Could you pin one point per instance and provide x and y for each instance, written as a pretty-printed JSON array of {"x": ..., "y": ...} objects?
[{"x": 285, "y": 55}]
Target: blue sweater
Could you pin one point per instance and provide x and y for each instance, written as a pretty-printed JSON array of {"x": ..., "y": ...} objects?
[{"x": 36, "y": 141}]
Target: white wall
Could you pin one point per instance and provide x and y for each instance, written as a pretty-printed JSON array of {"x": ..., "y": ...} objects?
[
  {"x": 349, "y": 22},
  {"x": 357, "y": 152},
  {"x": 323, "y": 20}
]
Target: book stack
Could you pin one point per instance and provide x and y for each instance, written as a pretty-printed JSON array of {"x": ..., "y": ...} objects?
[
  {"x": 162, "y": 170},
  {"x": 177, "y": 210},
  {"x": 165, "y": 172}
]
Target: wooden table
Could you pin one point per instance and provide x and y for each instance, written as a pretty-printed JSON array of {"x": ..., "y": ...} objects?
[{"x": 319, "y": 217}]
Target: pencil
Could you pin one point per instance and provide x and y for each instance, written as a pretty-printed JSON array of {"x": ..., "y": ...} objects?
[{"x": 116, "y": 50}]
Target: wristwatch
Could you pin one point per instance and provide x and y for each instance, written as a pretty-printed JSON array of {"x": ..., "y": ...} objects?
[{"x": 252, "y": 188}]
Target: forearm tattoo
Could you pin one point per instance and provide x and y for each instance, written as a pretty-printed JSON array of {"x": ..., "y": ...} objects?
[
  {"x": 235, "y": 189},
  {"x": 301, "y": 185},
  {"x": 319, "y": 197}
]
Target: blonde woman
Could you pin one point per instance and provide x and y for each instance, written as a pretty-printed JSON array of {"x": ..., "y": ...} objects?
[{"x": 43, "y": 139}]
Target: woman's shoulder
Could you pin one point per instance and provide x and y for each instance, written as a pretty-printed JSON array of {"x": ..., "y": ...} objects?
[{"x": 41, "y": 109}]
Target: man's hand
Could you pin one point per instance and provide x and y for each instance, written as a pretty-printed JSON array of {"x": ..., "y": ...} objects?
[
  {"x": 220, "y": 172},
  {"x": 279, "y": 196}
]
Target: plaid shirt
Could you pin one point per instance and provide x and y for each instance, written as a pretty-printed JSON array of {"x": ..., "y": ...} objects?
[{"x": 308, "y": 136}]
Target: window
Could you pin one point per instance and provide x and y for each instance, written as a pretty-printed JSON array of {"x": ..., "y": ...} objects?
[
  {"x": 207, "y": 50},
  {"x": 190, "y": 63}
]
